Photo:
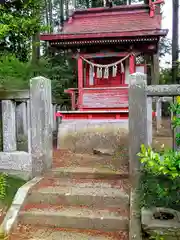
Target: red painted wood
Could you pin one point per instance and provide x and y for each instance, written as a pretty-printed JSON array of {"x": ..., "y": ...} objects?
[
  {"x": 106, "y": 98},
  {"x": 80, "y": 82},
  {"x": 152, "y": 6},
  {"x": 87, "y": 75},
  {"x": 101, "y": 54},
  {"x": 98, "y": 115},
  {"x": 132, "y": 64},
  {"x": 95, "y": 116},
  {"x": 107, "y": 109}
]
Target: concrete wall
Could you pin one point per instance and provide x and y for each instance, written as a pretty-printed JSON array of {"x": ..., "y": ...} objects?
[{"x": 84, "y": 135}]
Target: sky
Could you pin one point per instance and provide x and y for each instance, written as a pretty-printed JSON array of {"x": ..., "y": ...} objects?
[
  {"x": 167, "y": 24},
  {"x": 167, "y": 16}
]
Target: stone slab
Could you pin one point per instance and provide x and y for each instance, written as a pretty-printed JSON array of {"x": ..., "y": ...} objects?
[
  {"x": 78, "y": 218},
  {"x": 53, "y": 234},
  {"x": 16, "y": 163},
  {"x": 88, "y": 173},
  {"x": 86, "y": 196}
]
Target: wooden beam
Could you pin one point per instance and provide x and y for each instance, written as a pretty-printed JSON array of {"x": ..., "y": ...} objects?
[{"x": 101, "y": 55}]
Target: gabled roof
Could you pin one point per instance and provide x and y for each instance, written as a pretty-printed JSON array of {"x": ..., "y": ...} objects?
[
  {"x": 121, "y": 21},
  {"x": 116, "y": 19}
]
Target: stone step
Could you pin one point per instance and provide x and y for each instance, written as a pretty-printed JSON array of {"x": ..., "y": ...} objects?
[
  {"x": 87, "y": 173},
  {"x": 97, "y": 196},
  {"x": 73, "y": 217},
  {"x": 122, "y": 184},
  {"x": 42, "y": 233},
  {"x": 70, "y": 159}
]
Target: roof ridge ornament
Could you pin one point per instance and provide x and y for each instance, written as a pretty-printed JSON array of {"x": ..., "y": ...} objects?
[{"x": 152, "y": 5}]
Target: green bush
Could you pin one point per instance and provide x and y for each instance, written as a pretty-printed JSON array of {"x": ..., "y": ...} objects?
[
  {"x": 160, "y": 179},
  {"x": 160, "y": 172}
]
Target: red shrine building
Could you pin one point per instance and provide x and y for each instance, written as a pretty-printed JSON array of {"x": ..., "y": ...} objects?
[{"x": 108, "y": 44}]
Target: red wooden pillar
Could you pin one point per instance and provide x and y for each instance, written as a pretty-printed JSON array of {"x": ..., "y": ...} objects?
[
  {"x": 132, "y": 64},
  {"x": 80, "y": 83},
  {"x": 87, "y": 75}
]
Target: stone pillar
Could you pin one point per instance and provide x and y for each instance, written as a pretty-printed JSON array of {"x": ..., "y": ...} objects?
[
  {"x": 158, "y": 113},
  {"x": 138, "y": 135},
  {"x": 29, "y": 125},
  {"x": 21, "y": 119},
  {"x": 149, "y": 120},
  {"x": 41, "y": 124},
  {"x": 138, "y": 117},
  {"x": 9, "y": 126}
]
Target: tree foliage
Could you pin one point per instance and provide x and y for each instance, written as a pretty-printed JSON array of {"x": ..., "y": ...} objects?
[
  {"x": 20, "y": 20},
  {"x": 15, "y": 74}
]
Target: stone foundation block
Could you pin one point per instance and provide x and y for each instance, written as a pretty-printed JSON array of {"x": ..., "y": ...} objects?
[{"x": 16, "y": 163}]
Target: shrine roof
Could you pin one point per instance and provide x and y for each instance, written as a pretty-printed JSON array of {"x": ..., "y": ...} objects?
[{"x": 120, "y": 21}]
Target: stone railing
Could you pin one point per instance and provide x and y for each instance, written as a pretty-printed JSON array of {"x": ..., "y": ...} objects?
[
  {"x": 27, "y": 129},
  {"x": 140, "y": 132}
]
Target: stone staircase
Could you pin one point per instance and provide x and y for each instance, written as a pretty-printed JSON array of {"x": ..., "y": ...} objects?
[{"x": 77, "y": 202}]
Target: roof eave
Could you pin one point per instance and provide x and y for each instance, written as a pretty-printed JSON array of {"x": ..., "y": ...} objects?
[{"x": 80, "y": 36}]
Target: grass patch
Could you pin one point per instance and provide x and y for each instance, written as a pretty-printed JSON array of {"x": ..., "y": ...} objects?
[{"x": 12, "y": 186}]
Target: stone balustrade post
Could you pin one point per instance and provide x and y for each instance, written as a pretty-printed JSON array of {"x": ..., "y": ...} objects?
[
  {"x": 9, "y": 126},
  {"x": 41, "y": 124}
]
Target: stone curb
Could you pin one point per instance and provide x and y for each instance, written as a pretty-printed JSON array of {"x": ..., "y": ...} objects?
[
  {"x": 135, "y": 232},
  {"x": 12, "y": 214}
]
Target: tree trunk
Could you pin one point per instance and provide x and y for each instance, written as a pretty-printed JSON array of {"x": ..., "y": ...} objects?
[
  {"x": 66, "y": 9},
  {"x": 50, "y": 15},
  {"x": 46, "y": 13},
  {"x": 155, "y": 69},
  {"x": 35, "y": 48},
  {"x": 175, "y": 38},
  {"x": 62, "y": 11}
]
